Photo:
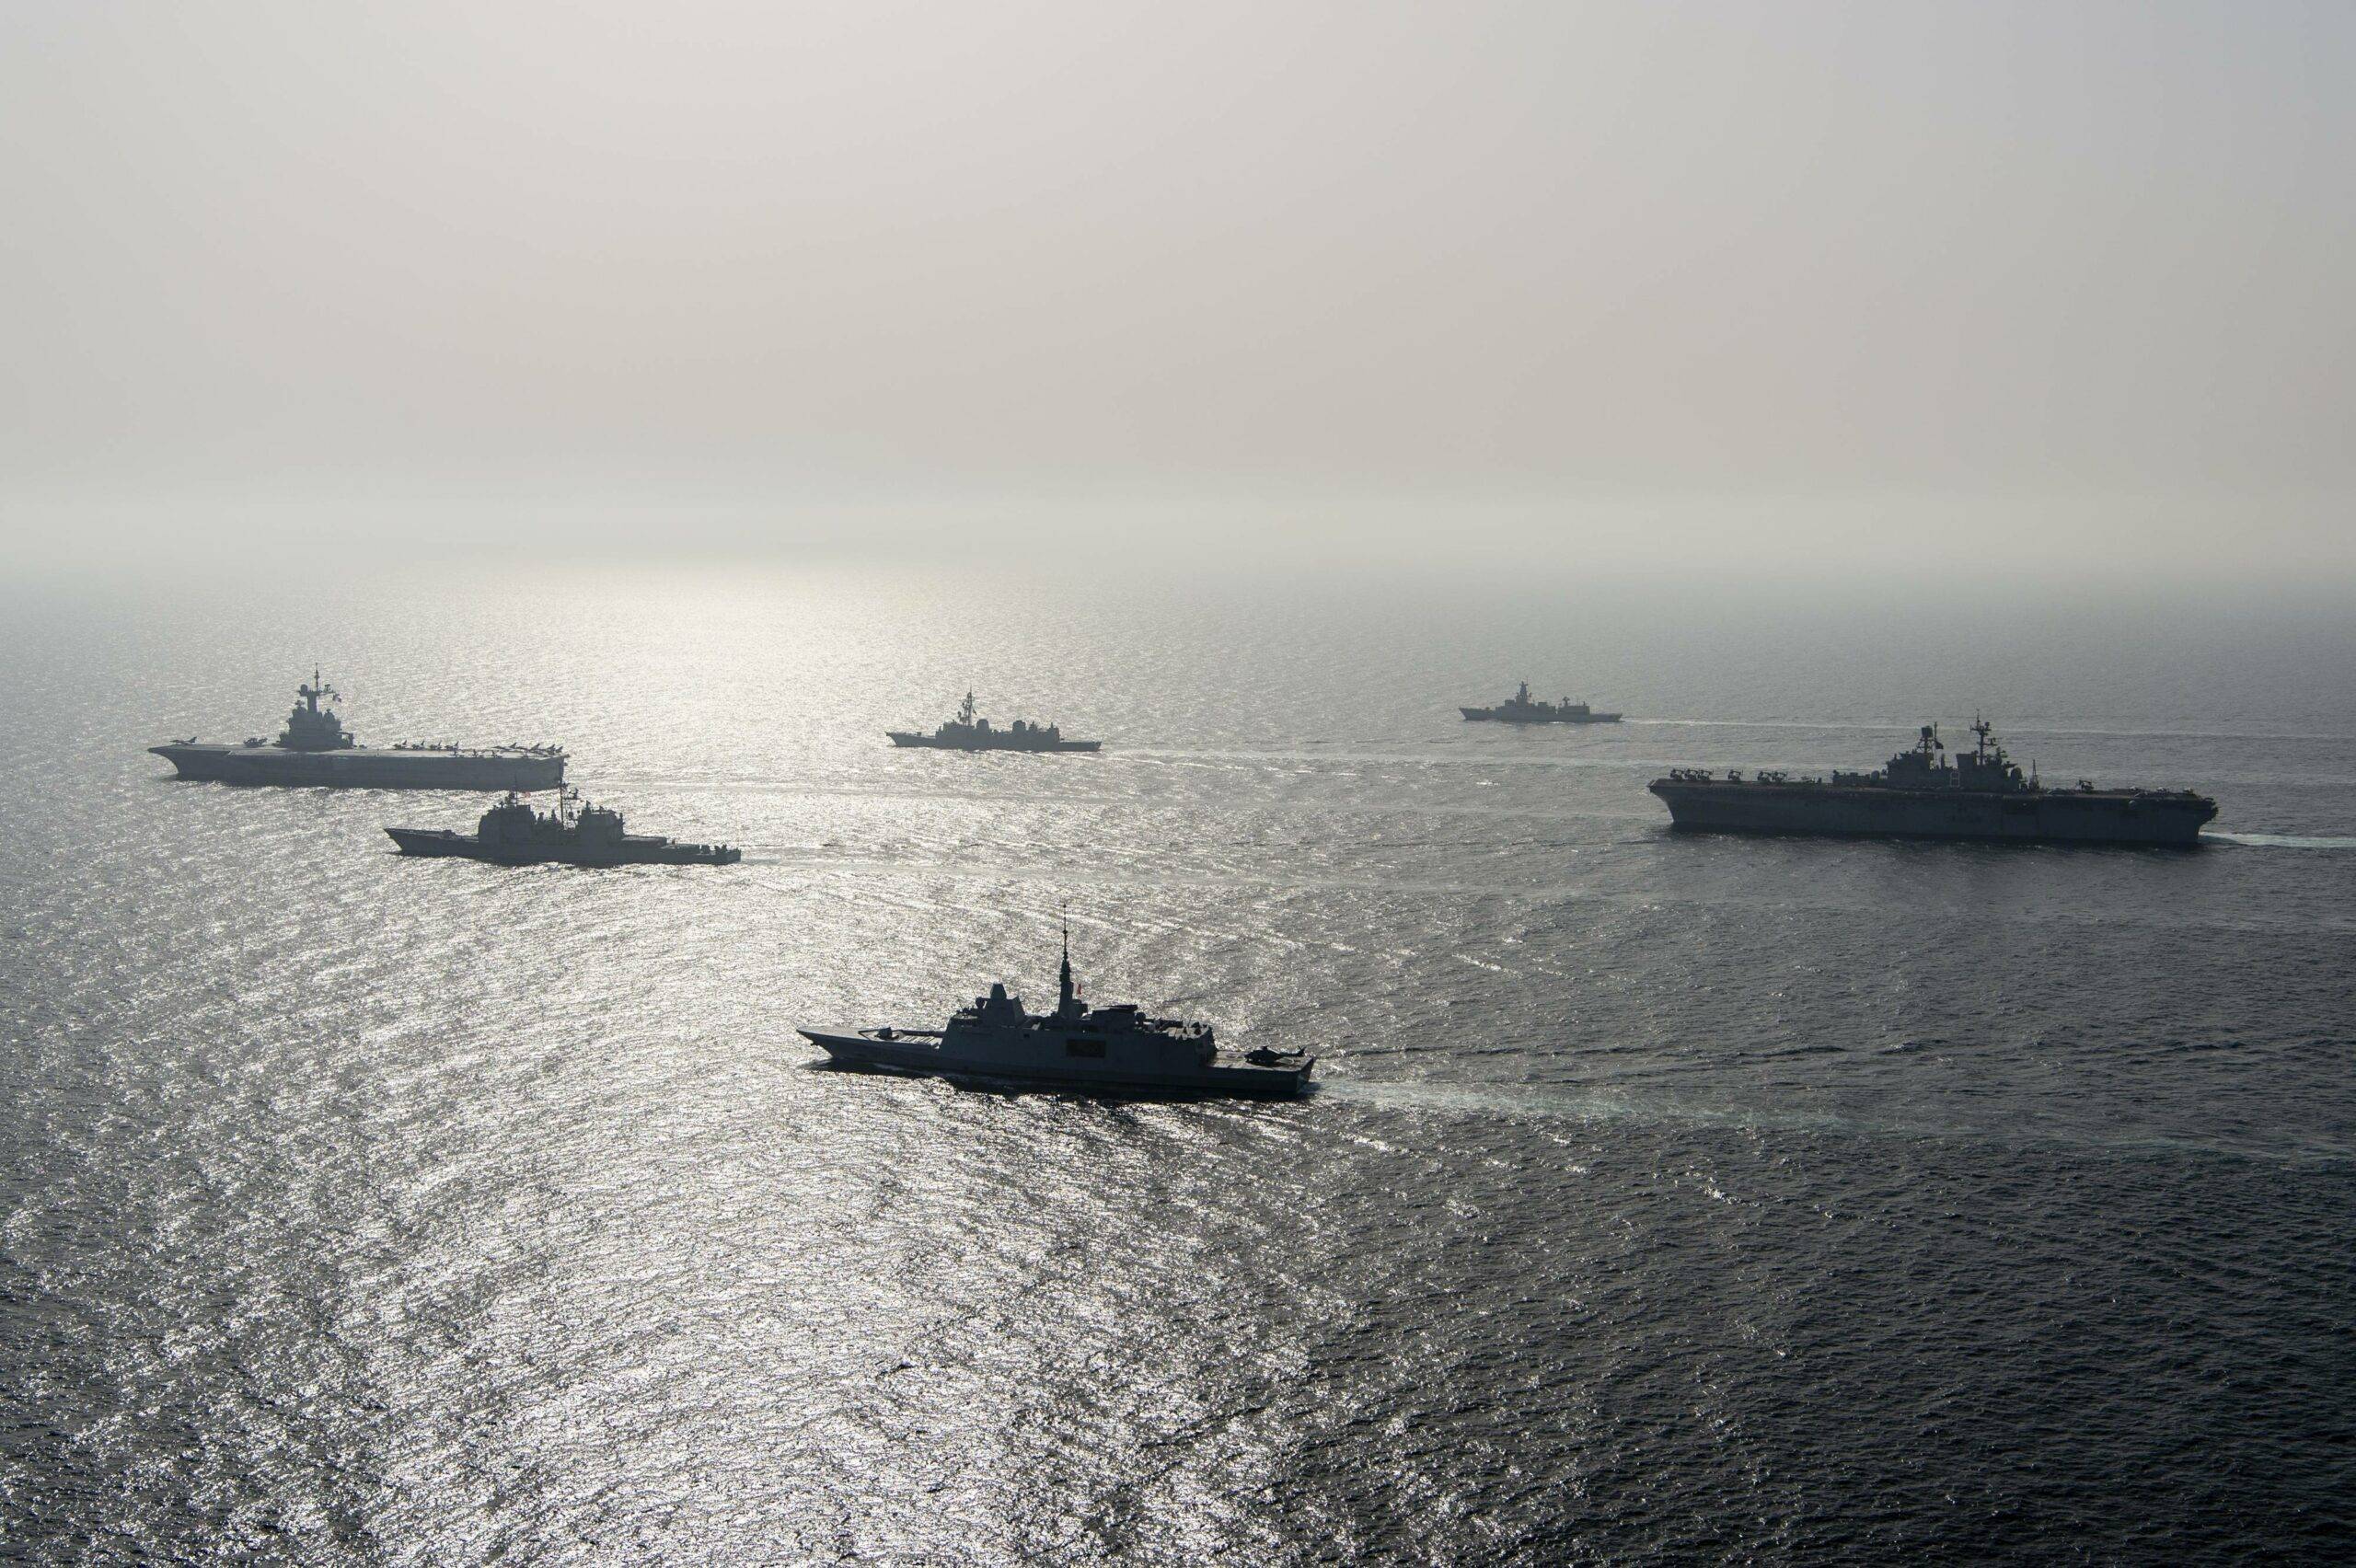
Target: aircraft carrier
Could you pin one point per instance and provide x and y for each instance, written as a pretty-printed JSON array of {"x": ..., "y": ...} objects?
[
  {"x": 316, "y": 749},
  {"x": 1923, "y": 794}
]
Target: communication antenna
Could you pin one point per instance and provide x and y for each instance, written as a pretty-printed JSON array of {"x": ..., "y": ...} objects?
[{"x": 1981, "y": 728}]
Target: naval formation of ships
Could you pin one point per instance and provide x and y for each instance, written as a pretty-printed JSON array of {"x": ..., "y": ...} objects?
[{"x": 1921, "y": 792}]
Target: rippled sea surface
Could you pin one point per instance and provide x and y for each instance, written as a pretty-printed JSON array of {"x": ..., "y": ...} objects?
[{"x": 1665, "y": 1198}]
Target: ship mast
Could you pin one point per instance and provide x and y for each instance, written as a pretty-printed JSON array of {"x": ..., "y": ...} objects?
[
  {"x": 317, "y": 689},
  {"x": 1066, "y": 991}
]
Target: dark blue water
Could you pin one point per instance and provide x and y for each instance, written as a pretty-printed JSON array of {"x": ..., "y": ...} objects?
[{"x": 1666, "y": 1198}]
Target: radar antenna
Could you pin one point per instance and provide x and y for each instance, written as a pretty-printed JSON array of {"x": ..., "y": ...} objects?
[{"x": 317, "y": 689}]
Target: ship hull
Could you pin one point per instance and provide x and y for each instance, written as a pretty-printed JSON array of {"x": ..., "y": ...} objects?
[
  {"x": 365, "y": 767},
  {"x": 935, "y": 742},
  {"x": 912, "y": 1057},
  {"x": 2053, "y": 816},
  {"x": 1493, "y": 716},
  {"x": 441, "y": 843}
]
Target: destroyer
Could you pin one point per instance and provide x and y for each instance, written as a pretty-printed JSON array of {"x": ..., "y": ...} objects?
[
  {"x": 513, "y": 834},
  {"x": 1979, "y": 794},
  {"x": 1519, "y": 709},
  {"x": 315, "y": 748},
  {"x": 967, "y": 732},
  {"x": 1109, "y": 1050}
]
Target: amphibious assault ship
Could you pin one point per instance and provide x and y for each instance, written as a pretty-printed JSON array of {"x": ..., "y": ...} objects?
[
  {"x": 513, "y": 834},
  {"x": 967, "y": 732},
  {"x": 1519, "y": 709},
  {"x": 315, "y": 748},
  {"x": 1922, "y": 793},
  {"x": 1113, "y": 1050}
]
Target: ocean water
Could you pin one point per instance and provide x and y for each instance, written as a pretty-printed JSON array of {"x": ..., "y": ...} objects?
[{"x": 1665, "y": 1199}]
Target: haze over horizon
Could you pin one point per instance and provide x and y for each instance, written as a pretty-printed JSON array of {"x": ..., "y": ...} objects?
[{"x": 2056, "y": 288}]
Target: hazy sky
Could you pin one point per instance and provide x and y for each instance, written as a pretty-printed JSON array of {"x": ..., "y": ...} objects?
[{"x": 1574, "y": 277}]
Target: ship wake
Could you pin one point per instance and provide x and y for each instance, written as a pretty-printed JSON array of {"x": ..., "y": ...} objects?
[{"x": 2283, "y": 840}]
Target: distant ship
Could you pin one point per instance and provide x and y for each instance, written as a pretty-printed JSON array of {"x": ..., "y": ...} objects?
[
  {"x": 316, "y": 749},
  {"x": 1108, "y": 1050},
  {"x": 1981, "y": 794},
  {"x": 1519, "y": 709},
  {"x": 967, "y": 732},
  {"x": 513, "y": 834}
]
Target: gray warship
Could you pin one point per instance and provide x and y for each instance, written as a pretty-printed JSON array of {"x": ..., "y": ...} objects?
[
  {"x": 316, "y": 749},
  {"x": 1922, "y": 793},
  {"x": 1519, "y": 709},
  {"x": 513, "y": 834},
  {"x": 967, "y": 732},
  {"x": 1113, "y": 1050}
]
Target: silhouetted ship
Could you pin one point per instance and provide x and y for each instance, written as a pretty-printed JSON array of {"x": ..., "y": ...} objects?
[
  {"x": 1519, "y": 709},
  {"x": 1109, "y": 1050},
  {"x": 513, "y": 834},
  {"x": 1981, "y": 794},
  {"x": 315, "y": 748},
  {"x": 967, "y": 732}
]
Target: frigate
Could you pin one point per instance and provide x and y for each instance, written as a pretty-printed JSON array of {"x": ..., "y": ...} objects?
[
  {"x": 316, "y": 749},
  {"x": 1115, "y": 1050},
  {"x": 1923, "y": 793},
  {"x": 1519, "y": 709},
  {"x": 968, "y": 732},
  {"x": 513, "y": 834}
]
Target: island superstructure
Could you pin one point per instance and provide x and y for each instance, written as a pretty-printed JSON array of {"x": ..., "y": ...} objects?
[
  {"x": 513, "y": 834},
  {"x": 316, "y": 749},
  {"x": 1923, "y": 793},
  {"x": 969, "y": 732},
  {"x": 1519, "y": 708},
  {"x": 1107, "y": 1050}
]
